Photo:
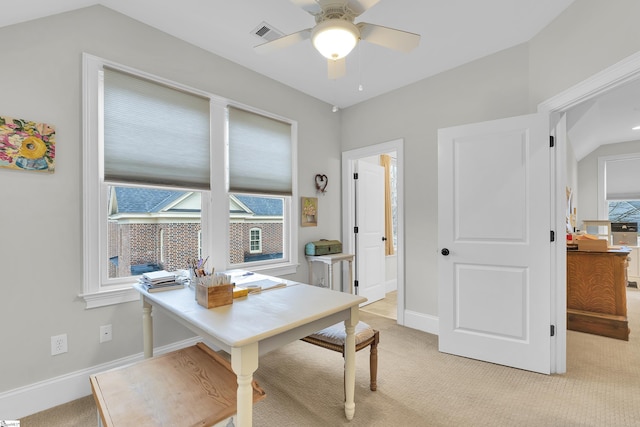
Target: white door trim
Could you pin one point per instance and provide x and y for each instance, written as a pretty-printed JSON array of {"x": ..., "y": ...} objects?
[
  {"x": 348, "y": 201},
  {"x": 614, "y": 76}
]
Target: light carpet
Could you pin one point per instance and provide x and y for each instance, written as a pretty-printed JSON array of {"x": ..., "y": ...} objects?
[{"x": 418, "y": 386}]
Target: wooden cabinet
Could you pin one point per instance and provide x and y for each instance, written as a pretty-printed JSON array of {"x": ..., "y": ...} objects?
[{"x": 596, "y": 293}]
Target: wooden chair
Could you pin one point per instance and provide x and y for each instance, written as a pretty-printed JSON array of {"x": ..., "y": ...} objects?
[
  {"x": 333, "y": 338},
  {"x": 187, "y": 387}
]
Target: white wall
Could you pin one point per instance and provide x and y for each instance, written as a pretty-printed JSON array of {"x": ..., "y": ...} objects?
[
  {"x": 41, "y": 214},
  {"x": 589, "y": 36}
]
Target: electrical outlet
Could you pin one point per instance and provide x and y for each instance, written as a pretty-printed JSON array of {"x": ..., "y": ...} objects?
[
  {"x": 59, "y": 344},
  {"x": 105, "y": 333}
]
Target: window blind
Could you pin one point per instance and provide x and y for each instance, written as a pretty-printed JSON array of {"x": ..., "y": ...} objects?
[
  {"x": 622, "y": 178},
  {"x": 260, "y": 154},
  {"x": 154, "y": 134}
]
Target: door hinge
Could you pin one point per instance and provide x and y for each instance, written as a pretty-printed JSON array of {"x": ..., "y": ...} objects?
[
  {"x": 553, "y": 330},
  {"x": 355, "y": 175},
  {"x": 552, "y": 141},
  {"x": 553, "y": 236},
  {"x": 355, "y": 230}
]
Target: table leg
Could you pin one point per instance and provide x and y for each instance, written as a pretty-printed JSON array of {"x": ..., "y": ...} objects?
[
  {"x": 350, "y": 364},
  {"x": 330, "y": 279},
  {"x": 244, "y": 362},
  {"x": 147, "y": 329}
]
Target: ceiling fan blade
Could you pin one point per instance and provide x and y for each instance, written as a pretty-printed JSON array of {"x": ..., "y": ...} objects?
[
  {"x": 310, "y": 6},
  {"x": 337, "y": 68},
  {"x": 361, "y": 6},
  {"x": 283, "y": 42},
  {"x": 388, "y": 37}
]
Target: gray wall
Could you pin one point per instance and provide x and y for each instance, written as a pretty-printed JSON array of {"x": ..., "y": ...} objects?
[{"x": 41, "y": 214}]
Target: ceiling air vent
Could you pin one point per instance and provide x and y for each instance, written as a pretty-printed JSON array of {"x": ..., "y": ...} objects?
[{"x": 266, "y": 32}]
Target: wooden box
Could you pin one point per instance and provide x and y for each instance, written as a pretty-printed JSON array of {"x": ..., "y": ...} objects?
[
  {"x": 323, "y": 247},
  {"x": 214, "y": 296},
  {"x": 599, "y": 245}
]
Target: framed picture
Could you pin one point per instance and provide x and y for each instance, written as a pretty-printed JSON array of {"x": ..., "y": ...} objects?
[
  {"x": 309, "y": 212},
  {"x": 26, "y": 145}
]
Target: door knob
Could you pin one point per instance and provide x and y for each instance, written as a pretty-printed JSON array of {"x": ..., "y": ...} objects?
[
  {"x": 384, "y": 239},
  {"x": 444, "y": 251}
]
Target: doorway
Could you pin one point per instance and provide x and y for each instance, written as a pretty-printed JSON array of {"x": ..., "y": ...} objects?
[
  {"x": 613, "y": 77},
  {"x": 349, "y": 162}
]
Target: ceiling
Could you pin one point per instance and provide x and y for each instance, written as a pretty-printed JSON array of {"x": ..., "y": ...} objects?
[
  {"x": 606, "y": 119},
  {"x": 453, "y": 32}
]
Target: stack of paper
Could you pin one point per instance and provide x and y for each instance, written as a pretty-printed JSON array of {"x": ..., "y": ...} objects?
[{"x": 162, "y": 280}]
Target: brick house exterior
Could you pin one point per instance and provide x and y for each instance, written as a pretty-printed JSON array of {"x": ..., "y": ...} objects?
[{"x": 160, "y": 229}]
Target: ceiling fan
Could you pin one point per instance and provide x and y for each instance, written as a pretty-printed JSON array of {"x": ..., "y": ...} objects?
[{"x": 335, "y": 33}]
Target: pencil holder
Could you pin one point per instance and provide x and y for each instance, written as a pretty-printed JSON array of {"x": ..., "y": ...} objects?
[{"x": 214, "y": 296}]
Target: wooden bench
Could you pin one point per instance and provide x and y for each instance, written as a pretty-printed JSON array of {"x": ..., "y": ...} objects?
[
  {"x": 334, "y": 337},
  {"x": 193, "y": 386}
]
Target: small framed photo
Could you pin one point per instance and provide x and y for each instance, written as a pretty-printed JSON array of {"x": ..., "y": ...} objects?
[{"x": 309, "y": 212}]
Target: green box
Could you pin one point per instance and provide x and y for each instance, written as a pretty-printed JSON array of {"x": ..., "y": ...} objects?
[{"x": 323, "y": 247}]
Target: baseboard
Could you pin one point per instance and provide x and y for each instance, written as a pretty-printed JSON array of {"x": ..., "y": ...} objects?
[
  {"x": 422, "y": 322},
  {"x": 27, "y": 400},
  {"x": 391, "y": 285}
]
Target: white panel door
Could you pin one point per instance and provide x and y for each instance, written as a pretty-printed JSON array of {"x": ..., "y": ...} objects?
[
  {"x": 370, "y": 258},
  {"x": 494, "y": 210}
]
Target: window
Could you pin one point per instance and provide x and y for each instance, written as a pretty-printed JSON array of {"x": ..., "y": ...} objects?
[
  {"x": 624, "y": 211},
  {"x": 151, "y": 229},
  {"x": 151, "y": 149},
  {"x": 255, "y": 240},
  {"x": 260, "y": 177},
  {"x": 618, "y": 190},
  {"x": 257, "y": 233}
]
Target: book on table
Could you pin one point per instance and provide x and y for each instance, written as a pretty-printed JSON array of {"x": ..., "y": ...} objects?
[
  {"x": 161, "y": 276},
  {"x": 156, "y": 281},
  {"x": 162, "y": 287}
]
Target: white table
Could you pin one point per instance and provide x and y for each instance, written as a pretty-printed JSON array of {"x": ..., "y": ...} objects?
[
  {"x": 254, "y": 325},
  {"x": 330, "y": 260}
]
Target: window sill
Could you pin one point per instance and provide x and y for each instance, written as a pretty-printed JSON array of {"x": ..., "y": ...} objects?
[
  {"x": 280, "y": 270},
  {"x": 110, "y": 297}
]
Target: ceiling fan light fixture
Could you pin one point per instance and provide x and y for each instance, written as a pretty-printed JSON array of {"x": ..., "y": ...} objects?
[{"x": 335, "y": 38}]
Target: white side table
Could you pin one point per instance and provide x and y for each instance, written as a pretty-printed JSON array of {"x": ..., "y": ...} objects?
[{"x": 329, "y": 260}]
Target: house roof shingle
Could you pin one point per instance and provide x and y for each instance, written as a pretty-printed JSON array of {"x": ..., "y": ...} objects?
[{"x": 144, "y": 200}]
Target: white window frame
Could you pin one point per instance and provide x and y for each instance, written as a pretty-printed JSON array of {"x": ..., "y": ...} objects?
[
  {"x": 97, "y": 289},
  {"x": 259, "y": 240},
  {"x": 161, "y": 245}
]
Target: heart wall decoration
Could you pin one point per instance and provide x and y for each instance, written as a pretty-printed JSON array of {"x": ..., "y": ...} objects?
[{"x": 321, "y": 183}]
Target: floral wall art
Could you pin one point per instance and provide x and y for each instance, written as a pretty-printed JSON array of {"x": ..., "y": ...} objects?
[
  {"x": 26, "y": 145},
  {"x": 309, "y": 211}
]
